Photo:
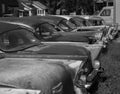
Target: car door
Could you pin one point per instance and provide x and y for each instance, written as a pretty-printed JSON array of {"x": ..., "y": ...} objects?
[{"x": 107, "y": 15}]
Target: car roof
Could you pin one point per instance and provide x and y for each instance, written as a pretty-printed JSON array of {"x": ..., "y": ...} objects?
[
  {"x": 33, "y": 20},
  {"x": 4, "y": 27},
  {"x": 67, "y": 17},
  {"x": 95, "y": 18},
  {"x": 51, "y": 18},
  {"x": 28, "y": 20},
  {"x": 78, "y": 16}
]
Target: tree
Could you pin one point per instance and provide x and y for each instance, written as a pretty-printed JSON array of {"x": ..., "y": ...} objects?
[
  {"x": 86, "y": 5},
  {"x": 52, "y": 5},
  {"x": 69, "y": 5}
]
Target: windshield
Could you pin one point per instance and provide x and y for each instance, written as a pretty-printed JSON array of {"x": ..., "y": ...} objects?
[
  {"x": 17, "y": 39},
  {"x": 66, "y": 25},
  {"x": 80, "y": 22},
  {"x": 45, "y": 31}
]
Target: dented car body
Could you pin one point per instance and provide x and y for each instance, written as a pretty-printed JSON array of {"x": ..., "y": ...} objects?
[
  {"x": 54, "y": 35},
  {"x": 26, "y": 45},
  {"x": 34, "y": 76}
]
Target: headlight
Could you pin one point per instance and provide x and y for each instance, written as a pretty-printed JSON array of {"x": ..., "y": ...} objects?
[
  {"x": 104, "y": 40},
  {"x": 18, "y": 91},
  {"x": 98, "y": 35},
  {"x": 83, "y": 78},
  {"x": 96, "y": 64}
]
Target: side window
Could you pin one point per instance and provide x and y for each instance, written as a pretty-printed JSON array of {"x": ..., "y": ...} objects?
[
  {"x": 63, "y": 26},
  {"x": 44, "y": 30},
  {"x": 106, "y": 12},
  {"x": 13, "y": 39}
]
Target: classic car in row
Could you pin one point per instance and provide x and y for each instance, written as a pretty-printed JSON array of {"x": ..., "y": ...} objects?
[
  {"x": 98, "y": 22},
  {"x": 19, "y": 44},
  {"x": 91, "y": 23},
  {"x": 93, "y": 35},
  {"x": 81, "y": 23},
  {"x": 47, "y": 31}
]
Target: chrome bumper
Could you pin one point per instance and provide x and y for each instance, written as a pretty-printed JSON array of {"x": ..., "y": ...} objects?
[{"x": 92, "y": 77}]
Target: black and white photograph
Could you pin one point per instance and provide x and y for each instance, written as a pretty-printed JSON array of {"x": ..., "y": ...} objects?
[{"x": 59, "y": 46}]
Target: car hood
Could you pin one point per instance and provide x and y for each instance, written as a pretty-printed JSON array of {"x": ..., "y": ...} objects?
[
  {"x": 93, "y": 48},
  {"x": 34, "y": 73},
  {"x": 55, "y": 50}
]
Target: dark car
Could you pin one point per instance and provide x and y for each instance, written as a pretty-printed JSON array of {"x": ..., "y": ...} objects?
[
  {"x": 47, "y": 21},
  {"x": 20, "y": 42},
  {"x": 63, "y": 25},
  {"x": 74, "y": 24},
  {"x": 33, "y": 76}
]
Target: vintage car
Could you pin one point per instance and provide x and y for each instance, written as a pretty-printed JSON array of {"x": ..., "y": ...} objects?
[
  {"x": 81, "y": 23},
  {"x": 20, "y": 42},
  {"x": 27, "y": 66},
  {"x": 73, "y": 25},
  {"x": 92, "y": 23},
  {"x": 49, "y": 33},
  {"x": 98, "y": 22}
]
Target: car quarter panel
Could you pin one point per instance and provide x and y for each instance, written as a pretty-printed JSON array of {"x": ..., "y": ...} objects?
[{"x": 35, "y": 74}]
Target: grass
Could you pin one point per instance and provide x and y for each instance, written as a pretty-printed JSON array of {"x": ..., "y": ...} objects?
[{"x": 111, "y": 62}]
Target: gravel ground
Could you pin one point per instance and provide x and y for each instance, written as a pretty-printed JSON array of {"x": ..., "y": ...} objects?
[{"x": 110, "y": 83}]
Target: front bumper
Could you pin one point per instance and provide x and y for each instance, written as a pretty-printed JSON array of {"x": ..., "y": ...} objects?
[
  {"x": 93, "y": 77},
  {"x": 90, "y": 79}
]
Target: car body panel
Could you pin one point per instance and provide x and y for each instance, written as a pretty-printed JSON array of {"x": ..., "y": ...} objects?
[{"x": 34, "y": 74}]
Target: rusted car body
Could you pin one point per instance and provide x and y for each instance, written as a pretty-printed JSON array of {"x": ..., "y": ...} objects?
[
  {"x": 25, "y": 68},
  {"x": 25, "y": 44},
  {"x": 29, "y": 75}
]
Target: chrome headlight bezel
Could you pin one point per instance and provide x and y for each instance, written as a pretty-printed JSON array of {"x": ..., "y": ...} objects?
[{"x": 96, "y": 65}]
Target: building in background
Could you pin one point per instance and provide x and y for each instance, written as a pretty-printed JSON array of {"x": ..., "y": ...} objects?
[{"x": 21, "y": 8}]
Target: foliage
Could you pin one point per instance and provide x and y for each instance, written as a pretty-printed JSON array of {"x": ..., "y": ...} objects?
[
  {"x": 111, "y": 62},
  {"x": 69, "y": 5}
]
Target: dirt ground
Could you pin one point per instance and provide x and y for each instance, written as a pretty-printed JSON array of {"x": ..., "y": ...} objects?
[{"x": 110, "y": 82}]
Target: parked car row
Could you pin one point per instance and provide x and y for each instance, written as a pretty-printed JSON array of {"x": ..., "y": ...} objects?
[{"x": 46, "y": 55}]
